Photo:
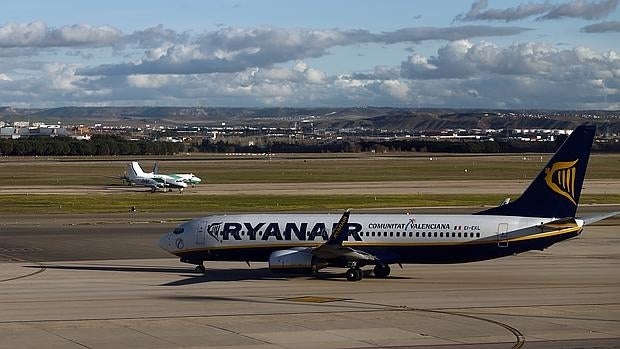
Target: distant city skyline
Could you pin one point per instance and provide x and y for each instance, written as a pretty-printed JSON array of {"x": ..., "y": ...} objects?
[{"x": 465, "y": 54}]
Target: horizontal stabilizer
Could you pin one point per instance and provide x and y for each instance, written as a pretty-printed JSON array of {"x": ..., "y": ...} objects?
[{"x": 599, "y": 217}]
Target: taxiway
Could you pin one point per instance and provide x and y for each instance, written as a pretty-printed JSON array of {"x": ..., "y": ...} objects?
[{"x": 80, "y": 281}]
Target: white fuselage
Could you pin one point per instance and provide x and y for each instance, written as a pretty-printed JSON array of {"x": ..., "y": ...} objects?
[
  {"x": 187, "y": 178},
  {"x": 248, "y": 232}
]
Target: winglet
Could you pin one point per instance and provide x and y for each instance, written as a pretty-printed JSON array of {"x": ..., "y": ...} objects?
[{"x": 339, "y": 233}]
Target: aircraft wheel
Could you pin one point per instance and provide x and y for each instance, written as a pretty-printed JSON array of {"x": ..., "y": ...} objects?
[
  {"x": 354, "y": 274},
  {"x": 351, "y": 275},
  {"x": 382, "y": 271},
  {"x": 200, "y": 269},
  {"x": 358, "y": 274}
]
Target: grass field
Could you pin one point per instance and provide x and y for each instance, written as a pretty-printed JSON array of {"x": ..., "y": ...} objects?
[
  {"x": 244, "y": 203},
  {"x": 313, "y": 168}
]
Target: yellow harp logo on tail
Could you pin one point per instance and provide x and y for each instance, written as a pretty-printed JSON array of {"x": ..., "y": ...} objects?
[{"x": 561, "y": 179}]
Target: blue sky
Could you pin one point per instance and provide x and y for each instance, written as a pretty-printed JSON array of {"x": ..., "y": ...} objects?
[{"x": 483, "y": 53}]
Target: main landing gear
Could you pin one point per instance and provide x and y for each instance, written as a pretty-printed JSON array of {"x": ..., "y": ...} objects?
[
  {"x": 382, "y": 271},
  {"x": 354, "y": 274}
]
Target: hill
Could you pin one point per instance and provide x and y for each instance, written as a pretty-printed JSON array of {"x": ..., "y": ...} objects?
[{"x": 335, "y": 118}]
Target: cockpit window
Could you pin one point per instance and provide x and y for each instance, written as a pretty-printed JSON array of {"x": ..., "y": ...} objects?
[{"x": 178, "y": 230}]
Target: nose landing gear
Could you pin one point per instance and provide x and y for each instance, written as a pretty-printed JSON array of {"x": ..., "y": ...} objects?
[
  {"x": 200, "y": 269},
  {"x": 200, "y": 266}
]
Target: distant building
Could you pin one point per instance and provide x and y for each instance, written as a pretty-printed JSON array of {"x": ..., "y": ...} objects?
[
  {"x": 42, "y": 130},
  {"x": 8, "y": 132},
  {"x": 21, "y": 123}
]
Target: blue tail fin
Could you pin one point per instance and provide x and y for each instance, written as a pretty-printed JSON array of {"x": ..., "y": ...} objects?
[{"x": 555, "y": 191}]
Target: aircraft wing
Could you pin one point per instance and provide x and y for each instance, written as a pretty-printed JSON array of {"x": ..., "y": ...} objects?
[
  {"x": 599, "y": 217},
  {"x": 333, "y": 248}
]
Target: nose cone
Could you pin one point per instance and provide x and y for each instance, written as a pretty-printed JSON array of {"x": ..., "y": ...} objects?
[
  {"x": 196, "y": 180},
  {"x": 165, "y": 243}
]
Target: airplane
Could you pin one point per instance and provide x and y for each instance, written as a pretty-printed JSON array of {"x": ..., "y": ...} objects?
[
  {"x": 133, "y": 178},
  {"x": 136, "y": 176},
  {"x": 305, "y": 243},
  {"x": 188, "y": 178}
]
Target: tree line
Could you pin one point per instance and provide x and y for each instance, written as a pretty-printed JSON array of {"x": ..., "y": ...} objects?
[
  {"x": 430, "y": 146},
  {"x": 97, "y": 145},
  {"x": 116, "y": 145}
]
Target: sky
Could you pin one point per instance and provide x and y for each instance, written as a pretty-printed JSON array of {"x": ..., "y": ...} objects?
[{"x": 548, "y": 54}]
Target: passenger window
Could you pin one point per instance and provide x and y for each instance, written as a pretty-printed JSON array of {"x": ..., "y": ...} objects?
[
  {"x": 453, "y": 234},
  {"x": 477, "y": 235},
  {"x": 417, "y": 234},
  {"x": 435, "y": 234},
  {"x": 459, "y": 234},
  {"x": 423, "y": 234}
]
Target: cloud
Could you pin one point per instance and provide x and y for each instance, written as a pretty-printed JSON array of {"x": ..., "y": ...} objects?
[
  {"x": 18, "y": 52},
  {"x": 38, "y": 35},
  {"x": 582, "y": 9},
  {"x": 418, "y": 34},
  {"x": 148, "y": 81},
  {"x": 574, "y": 9},
  {"x": 266, "y": 66},
  {"x": 229, "y": 50},
  {"x": 477, "y": 12},
  {"x": 152, "y": 37},
  {"x": 233, "y": 49},
  {"x": 397, "y": 89},
  {"x": 380, "y": 72},
  {"x": 464, "y": 59},
  {"x": 603, "y": 27},
  {"x": 61, "y": 77},
  {"x": 539, "y": 76}
]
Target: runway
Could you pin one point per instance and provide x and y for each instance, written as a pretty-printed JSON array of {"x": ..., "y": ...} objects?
[
  {"x": 595, "y": 186},
  {"x": 99, "y": 282}
]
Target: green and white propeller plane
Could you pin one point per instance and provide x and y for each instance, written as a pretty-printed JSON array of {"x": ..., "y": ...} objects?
[
  {"x": 188, "y": 178},
  {"x": 136, "y": 176}
]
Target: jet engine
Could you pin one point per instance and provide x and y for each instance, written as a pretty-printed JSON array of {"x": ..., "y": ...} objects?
[{"x": 293, "y": 261}]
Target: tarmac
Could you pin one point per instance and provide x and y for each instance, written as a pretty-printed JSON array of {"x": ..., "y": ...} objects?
[
  {"x": 100, "y": 281},
  {"x": 594, "y": 186}
]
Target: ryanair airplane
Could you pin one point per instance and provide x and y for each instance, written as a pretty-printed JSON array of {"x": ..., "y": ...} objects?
[{"x": 305, "y": 243}]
